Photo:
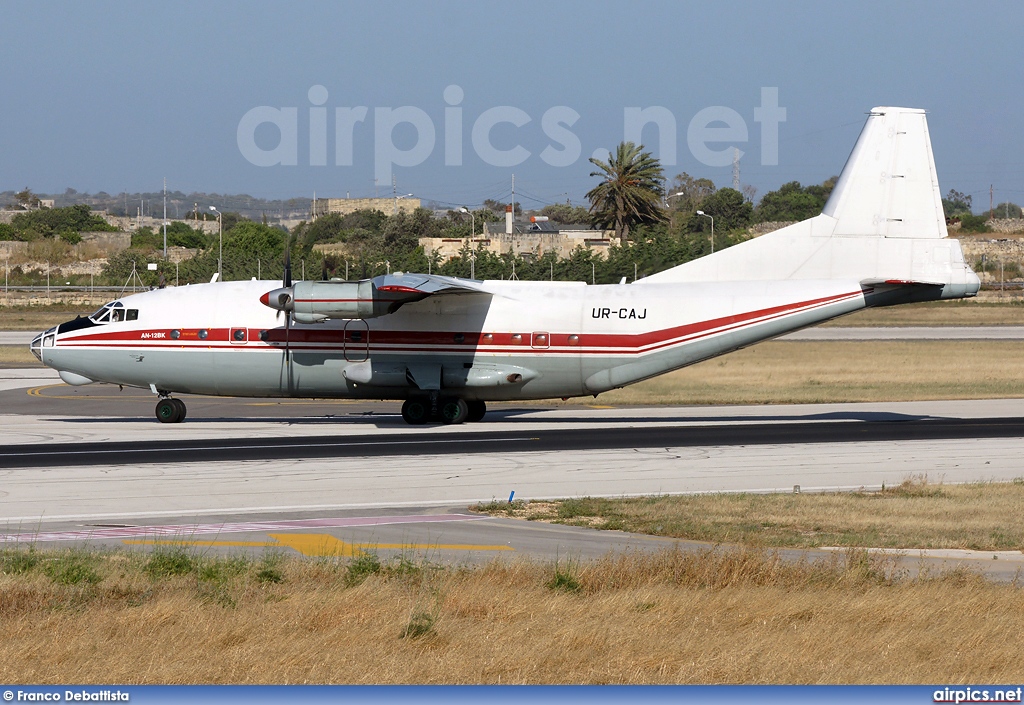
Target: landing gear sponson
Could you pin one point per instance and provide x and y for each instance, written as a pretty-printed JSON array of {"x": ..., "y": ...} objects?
[{"x": 449, "y": 410}]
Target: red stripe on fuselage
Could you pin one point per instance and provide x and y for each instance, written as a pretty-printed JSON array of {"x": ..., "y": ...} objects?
[{"x": 414, "y": 341}]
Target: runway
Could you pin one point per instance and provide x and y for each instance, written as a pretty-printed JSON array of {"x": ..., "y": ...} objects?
[{"x": 91, "y": 465}]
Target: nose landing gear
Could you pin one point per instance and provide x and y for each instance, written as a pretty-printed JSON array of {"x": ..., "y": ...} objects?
[{"x": 170, "y": 410}]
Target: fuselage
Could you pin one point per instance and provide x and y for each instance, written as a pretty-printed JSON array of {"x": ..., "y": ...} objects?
[{"x": 511, "y": 340}]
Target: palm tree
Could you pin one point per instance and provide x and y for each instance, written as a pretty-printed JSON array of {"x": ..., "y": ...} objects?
[{"x": 631, "y": 190}]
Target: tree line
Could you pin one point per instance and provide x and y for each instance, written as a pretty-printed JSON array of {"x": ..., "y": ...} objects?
[{"x": 660, "y": 223}]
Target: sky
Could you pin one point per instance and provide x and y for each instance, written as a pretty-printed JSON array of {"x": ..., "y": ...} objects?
[{"x": 451, "y": 99}]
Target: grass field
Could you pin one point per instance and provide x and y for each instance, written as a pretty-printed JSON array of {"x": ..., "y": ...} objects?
[
  {"x": 813, "y": 372},
  {"x": 916, "y": 514},
  {"x": 971, "y": 312},
  {"x": 729, "y": 616},
  {"x": 38, "y": 318},
  {"x": 17, "y": 356}
]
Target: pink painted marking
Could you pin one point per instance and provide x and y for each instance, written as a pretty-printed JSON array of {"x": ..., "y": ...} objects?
[{"x": 185, "y": 531}]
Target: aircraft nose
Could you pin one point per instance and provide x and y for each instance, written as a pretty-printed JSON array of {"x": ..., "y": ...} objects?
[
  {"x": 36, "y": 346},
  {"x": 43, "y": 340}
]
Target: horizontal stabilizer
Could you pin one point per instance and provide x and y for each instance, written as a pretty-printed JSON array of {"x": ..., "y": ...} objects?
[{"x": 899, "y": 282}]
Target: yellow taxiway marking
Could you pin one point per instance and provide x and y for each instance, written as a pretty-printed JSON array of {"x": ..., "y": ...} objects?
[
  {"x": 327, "y": 545},
  {"x": 321, "y": 545}
]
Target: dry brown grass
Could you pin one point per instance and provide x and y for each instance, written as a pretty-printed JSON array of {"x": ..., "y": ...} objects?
[
  {"x": 17, "y": 356},
  {"x": 818, "y": 372},
  {"x": 914, "y": 515},
  {"x": 37, "y": 318},
  {"x": 673, "y": 617},
  {"x": 971, "y": 312}
]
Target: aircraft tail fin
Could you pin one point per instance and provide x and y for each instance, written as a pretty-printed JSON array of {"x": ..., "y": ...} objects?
[
  {"x": 889, "y": 187},
  {"x": 883, "y": 222}
]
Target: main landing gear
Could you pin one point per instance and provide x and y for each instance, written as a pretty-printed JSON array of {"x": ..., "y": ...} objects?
[
  {"x": 448, "y": 410},
  {"x": 170, "y": 410}
]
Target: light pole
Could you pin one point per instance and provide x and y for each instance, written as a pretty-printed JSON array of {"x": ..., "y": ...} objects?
[
  {"x": 712, "y": 229},
  {"x": 472, "y": 227},
  {"x": 674, "y": 195},
  {"x": 220, "y": 248}
]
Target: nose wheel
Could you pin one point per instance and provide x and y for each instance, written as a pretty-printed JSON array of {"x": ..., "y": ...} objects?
[{"x": 170, "y": 410}]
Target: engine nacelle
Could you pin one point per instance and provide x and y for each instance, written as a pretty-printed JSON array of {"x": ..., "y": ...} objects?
[
  {"x": 315, "y": 301},
  {"x": 338, "y": 299}
]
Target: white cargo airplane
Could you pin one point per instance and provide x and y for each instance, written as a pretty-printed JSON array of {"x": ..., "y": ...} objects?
[{"x": 446, "y": 346}]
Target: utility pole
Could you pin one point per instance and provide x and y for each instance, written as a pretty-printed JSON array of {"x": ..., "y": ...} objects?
[
  {"x": 991, "y": 207},
  {"x": 165, "y": 217}
]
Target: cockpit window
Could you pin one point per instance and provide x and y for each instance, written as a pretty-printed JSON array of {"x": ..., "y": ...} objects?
[{"x": 114, "y": 312}]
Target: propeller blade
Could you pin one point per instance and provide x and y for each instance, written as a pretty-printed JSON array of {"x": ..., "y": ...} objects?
[
  {"x": 323, "y": 269},
  {"x": 287, "y": 331},
  {"x": 287, "y": 267}
]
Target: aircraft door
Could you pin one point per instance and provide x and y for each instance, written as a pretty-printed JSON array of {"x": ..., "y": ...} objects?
[{"x": 357, "y": 340}]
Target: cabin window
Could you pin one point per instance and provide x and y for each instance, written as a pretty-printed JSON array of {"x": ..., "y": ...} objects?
[
  {"x": 203, "y": 333},
  {"x": 132, "y": 315},
  {"x": 460, "y": 338},
  {"x": 574, "y": 340},
  {"x": 238, "y": 335},
  {"x": 175, "y": 334},
  {"x": 517, "y": 338}
]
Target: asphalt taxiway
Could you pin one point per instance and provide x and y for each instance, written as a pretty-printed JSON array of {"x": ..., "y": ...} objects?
[{"x": 92, "y": 465}]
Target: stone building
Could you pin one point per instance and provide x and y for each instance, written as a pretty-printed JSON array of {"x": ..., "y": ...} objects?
[{"x": 344, "y": 206}]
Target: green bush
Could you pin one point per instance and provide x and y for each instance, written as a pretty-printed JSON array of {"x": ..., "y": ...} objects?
[
  {"x": 170, "y": 560},
  {"x": 970, "y": 223},
  {"x": 15, "y": 561},
  {"x": 72, "y": 568}
]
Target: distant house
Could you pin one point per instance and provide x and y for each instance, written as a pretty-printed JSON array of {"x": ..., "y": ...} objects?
[
  {"x": 527, "y": 239},
  {"x": 344, "y": 206}
]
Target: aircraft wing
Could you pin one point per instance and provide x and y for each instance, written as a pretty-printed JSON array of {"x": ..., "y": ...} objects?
[
  {"x": 427, "y": 284},
  {"x": 313, "y": 301}
]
